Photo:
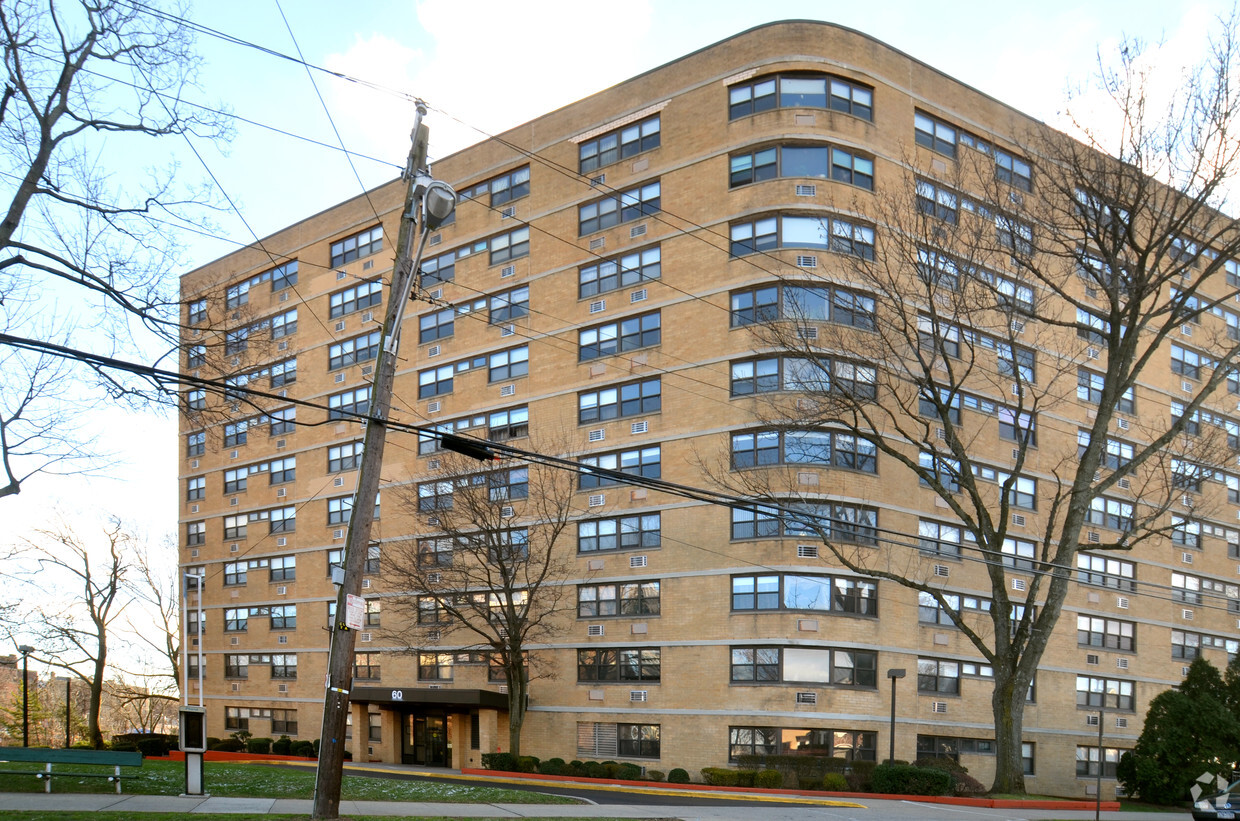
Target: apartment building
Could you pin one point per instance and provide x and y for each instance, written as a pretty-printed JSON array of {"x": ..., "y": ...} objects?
[{"x": 603, "y": 285}]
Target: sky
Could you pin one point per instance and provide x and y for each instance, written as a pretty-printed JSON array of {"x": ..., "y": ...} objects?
[{"x": 484, "y": 66}]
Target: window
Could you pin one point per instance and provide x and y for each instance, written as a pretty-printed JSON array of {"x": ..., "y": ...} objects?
[
  {"x": 441, "y": 268},
  {"x": 929, "y": 746},
  {"x": 939, "y": 538},
  {"x": 938, "y": 676},
  {"x": 619, "y": 272},
  {"x": 508, "y": 364},
  {"x": 435, "y": 666},
  {"x": 824, "y": 594},
  {"x": 430, "y": 611},
  {"x": 1185, "y": 589},
  {"x": 1089, "y": 387},
  {"x": 1088, "y": 760},
  {"x": 236, "y": 619},
  {"x": 819, "y": 161},
  {"x": 513, "y": 423},
  {"x": 195, "y": 533},
  {"x": 803, "y": 447},
  {"x": 283, "y": 568},
  {"x": 847, "y": 668},
  {"x": 358, "y": 349},
  {"x": 1113, "y": 694},
  {"x": 283, "y": 421},
  {"x": 619, "y": 533},
  {"x": 235, "y": 526},
  {"x": 436, "y": 325},
  {"x": 800, "y": 90},
  {"x": 236, "y": 718},
  {"x": 504, "y": 188},
  {"x": 435, "y": 381},
  {"x": 617, "y": 337},
  {"x": 237, "y": 295},
  {"x": 827, "y": 233},
  {"x": 628, "y": 205},
  {"x": 638, "y": 462},
  {"x": 1185, "y": 362},
  {"x": 937, "y": 202},
  {"x": 1185, "y": 645},
  {"x": 840, "y": 522},
  {"x": 1020, "y": 554},
  {"x": 196, "y": 356},
  {"x": 626, "y": 141},
  {"x": 627, "y": 599},
  {"x": 344, "y": 457},
  {"x": 1017, "y": 362},
  {"x": 339, "y": 510},
  {"x": 1187, "y": 475},
  {"x": 1013, "y": 170},
  {"x": 435, "y": 552},
  {"x": 618, "y": 664},
  {"x": 633, "y": 399},
  {"x": 1106, "y": 572},
  {"x": 850, "y": 745},
  {"x": 509, "y": 246},
  {"x": 628, "y": 740},
  {"x": 934, "y": 134},
  {"x": 802, "y": 303},
  {"x": 357, "y": 246},
  {"x": 283, "y": 373},
  {"x": 938, "y": 469},
  {"x": 284, "y": 324},
  {"x": 366, "y": 666},
  {"x": 510, "y": 305},
  {"x": 196, "y": 444},
  {"x": 234, "y": 573},
  {"x": 284, "y": 520},
  {"x": 236, "y": 341},
  {"x": 236, "y": 433},
  {"x": 283, "y": 722},
  {"x": 348, "y": 404},
  {"x": 197, "y": 311},
  {"x": 1110, "y": 634},
  {"x": 1027, "y": 757},
  {"x": 1014, "y": 235},
  {"x": 508, "y": 484},
  {"x": 195, "y": 488},
  {"x": 283, "y": 276},
  {"x": 1185, "y": 532},
  {"x": 357, "y": 298},
  {"x": 435, "y": 496}
]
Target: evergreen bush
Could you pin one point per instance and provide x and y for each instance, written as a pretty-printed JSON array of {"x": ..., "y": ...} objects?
[
  {"x": 678, "y": 776},
  {"x": 768, "y": 779},
  {"x": 507, "y": 762},
  {"x": 261, "y": 746}
]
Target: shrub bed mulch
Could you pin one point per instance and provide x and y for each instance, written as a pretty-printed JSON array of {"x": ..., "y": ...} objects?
[{"x": 987, "y": 803}]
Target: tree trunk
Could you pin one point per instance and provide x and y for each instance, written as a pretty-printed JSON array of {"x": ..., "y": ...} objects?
[
  {"x": 92, "y": 714},
  {"x": 518, "y": 683},
  {"x": 1008, "y": 704}
]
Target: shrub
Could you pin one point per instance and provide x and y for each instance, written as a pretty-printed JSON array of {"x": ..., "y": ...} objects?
[
  {"x": 507, "y": 762},
  {"x": 228, "y": 745},
  {"x": 720, "y": 776},
  {"x": 212, "y": 741},
  {"x": 124, "y": 746},
  {"x": 316, "y": 747},
  {"x": 655, "y": 775},
  {"x": 629, "y": 772},
  {"x": 947, "y": 765},
  {"x": 552, "y": 766},
  {"x": 594, "y": 769},
  {"x": 968, "y": 785},
  {"x": 678, "y": 776},
  {"x": 262, "y": 746},
  {"x": 282, "y": 745},
  {"x": 611, "y": 769},
  {"x": 834, "y": 782},
  {"x": 155, "y": 746},
  {"x": 527, "y": 764},
  {"x": 574, "y": 768},
  {"x": 902, "y": 779},
  {"x": 304, "y": 748},
  {"x": 768, "y": 779}
]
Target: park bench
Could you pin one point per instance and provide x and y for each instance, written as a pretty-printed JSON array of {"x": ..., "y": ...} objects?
[{"x": 40, "y": 755}]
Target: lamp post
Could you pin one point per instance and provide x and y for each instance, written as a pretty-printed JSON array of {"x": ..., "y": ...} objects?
[
  {"x": 893, "y": 674},
  {"x": 25, "y": 650}
]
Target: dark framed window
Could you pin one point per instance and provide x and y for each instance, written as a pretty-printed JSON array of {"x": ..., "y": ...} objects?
[
  {"x": 632, "y": 532},
  {"x": 195, "y": 534},
  {"x": 283, "y": 568},
  {"x": 1106, "y": 572},
  {"x": 803, "y": 447},
  {"x": 351, "y": 351},
  {"x": 637, "y": 462},
  {"x": 1089, "y": 759},
  {"x": 355, "y": 298},
  {"x": 435, "y": 381},
  {"x": 638, "y": 740},
  {"x": 344, "y": 457},
  {"x": 619, "y": 664},
  {"x": 195, "y": 488},
  {"x": 510, "y": 245},
  {"x": 626, "y": 141},
  {"x": 805, "y": 90},
  {"x": 618, "y": 599},
  {"x": 1109, "y": 634},
  {"x": 635, "y": 203},
  {"x": 1111, "y": 693},
  {"x": 508, "y": 364},
  {"x": 284, "y": 665},
  {"x": 620, "y": 272},
  {"x": 793, "y": 231},
  {"x": 366, "y": 666},
  {"x": 196, "y": 311},
  {"x": 282, "y": 421},
  {"x": 934, "y": 134},
  {"x": 435, "y": 666},
  {"x": 805, "y": 593},
  {"x": 284, "y": 722},
  {"x": 359, "y": 245},
  {"x": 349, "y": 404},
  {"x": 284, "y": 324},
  {"x": 938, "y": 676},
  {"x": 339, "y": 510},
  {"x": 510, "y": 305},
  {"x": 632, "y": 399},
  {"x": 501, "y": 189},
  {"x": 629, "y": 334}
]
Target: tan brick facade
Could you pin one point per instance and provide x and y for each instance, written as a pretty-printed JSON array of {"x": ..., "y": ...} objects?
[{"x": 695, "y": 702}]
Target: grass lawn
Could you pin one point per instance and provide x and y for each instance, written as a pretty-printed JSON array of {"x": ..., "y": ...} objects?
[{"x": 243, "y": 780}]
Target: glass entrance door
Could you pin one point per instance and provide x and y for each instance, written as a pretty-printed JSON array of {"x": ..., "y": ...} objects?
[{"x": 424, "y": 740}]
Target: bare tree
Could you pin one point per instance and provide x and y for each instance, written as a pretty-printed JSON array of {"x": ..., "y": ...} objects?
[
  {"x": 157, "y": 589},
  {"x": 488, "y": 570},
  {"x": 82, "y": 583},
  {"x": 85, "y": 81},
  {"x": 1041, "y": 275}
]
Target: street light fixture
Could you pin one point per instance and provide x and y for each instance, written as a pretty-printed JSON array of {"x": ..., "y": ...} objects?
[
  {"x": 25, "y": 650},
  {"x": 893, "y": 674}
]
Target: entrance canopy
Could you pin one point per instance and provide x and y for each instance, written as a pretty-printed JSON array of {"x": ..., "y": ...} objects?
[{"x": 446, "y": 699}]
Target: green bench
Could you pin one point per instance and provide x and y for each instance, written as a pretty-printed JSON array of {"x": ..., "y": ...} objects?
[{"x": 39, "y": 755}]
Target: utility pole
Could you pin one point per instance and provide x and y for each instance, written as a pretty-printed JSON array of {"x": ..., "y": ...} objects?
[{"x": 427, "y": 205}]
